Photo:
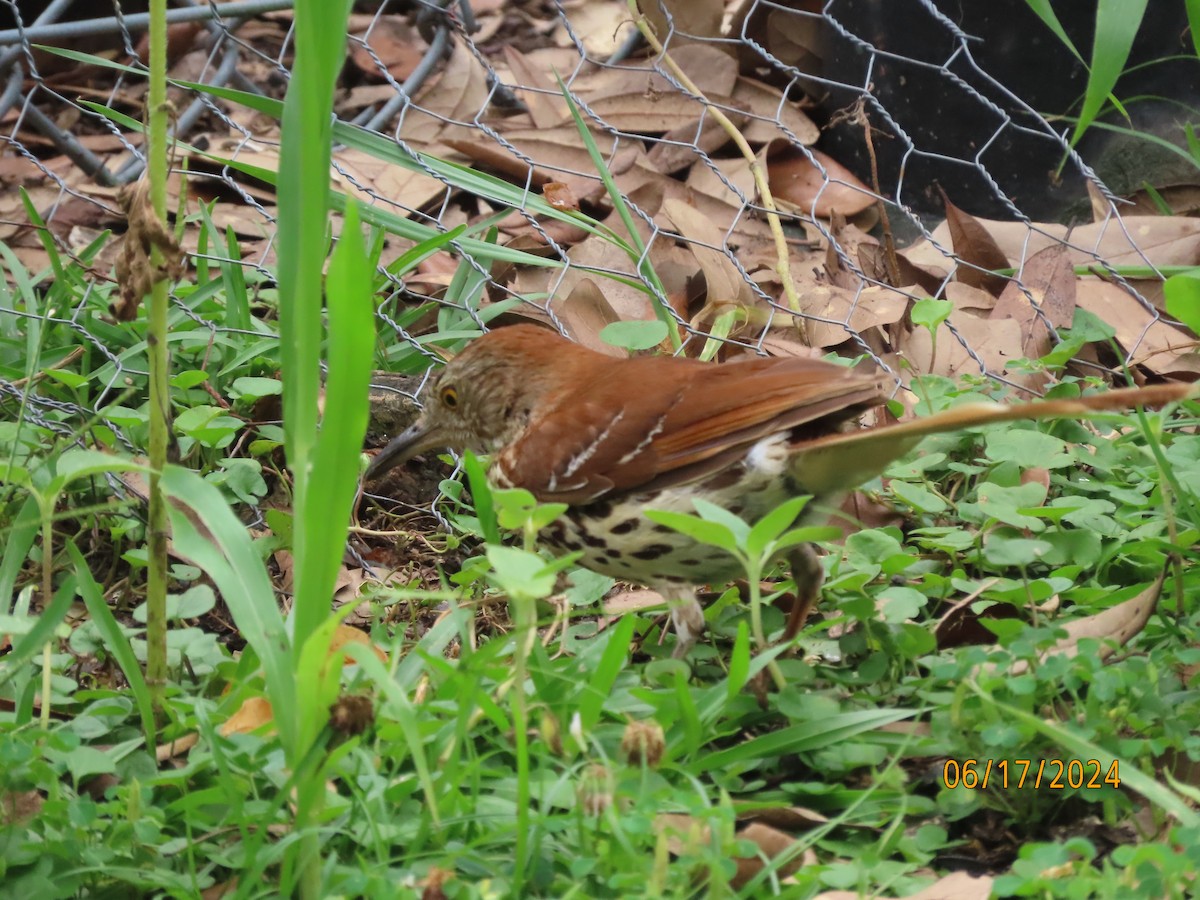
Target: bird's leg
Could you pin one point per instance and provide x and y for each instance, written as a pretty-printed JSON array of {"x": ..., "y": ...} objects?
[
  {"x": 687, "y": 618},
  {"x": 808, "y": 575}
]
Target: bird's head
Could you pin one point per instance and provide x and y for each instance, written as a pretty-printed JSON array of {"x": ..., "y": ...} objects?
[{"x": 484, "y": 396}]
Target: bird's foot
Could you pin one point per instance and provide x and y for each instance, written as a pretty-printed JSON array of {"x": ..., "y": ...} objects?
[{"x": 687, "y": 618}]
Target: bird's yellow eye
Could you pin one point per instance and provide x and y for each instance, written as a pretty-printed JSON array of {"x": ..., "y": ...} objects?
[{"x": 450, "y": 397}]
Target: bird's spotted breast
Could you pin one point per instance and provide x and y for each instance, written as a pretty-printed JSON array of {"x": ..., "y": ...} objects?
[{"x": 619, "y": 541}]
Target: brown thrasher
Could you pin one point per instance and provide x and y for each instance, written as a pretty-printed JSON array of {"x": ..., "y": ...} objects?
[{"x": 612, "y": 437}]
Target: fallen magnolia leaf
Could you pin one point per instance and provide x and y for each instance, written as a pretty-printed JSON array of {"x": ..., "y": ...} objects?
[
  {"x": 689, "y": 19},
  {"x": 1147, "y": 339},
  {"x": 976, "y": 250},
  {"x": 1049, "y": 277},
  {"x": 991, "y": 343},
  {"x": 811, "y": 183},
  {"x": 584, "y": 312},
  {"x": 687, "y": 836},
  {"x": 724, "y": 282},
  {"x": 772, "y": 114},
  {"x": 632, "y": 601},
  {"x": 1115, "y": 625},
  {"x": 535, "y": 88},
  {"x": 254, "y": 713}
]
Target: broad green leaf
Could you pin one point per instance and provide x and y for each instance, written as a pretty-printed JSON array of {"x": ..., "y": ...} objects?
[
  {"x": 694, "y": 527},
  {"x": 634, "y": 335},
  {"x": 773, "y": 524},
  {"x": 1183, "y": 296}
]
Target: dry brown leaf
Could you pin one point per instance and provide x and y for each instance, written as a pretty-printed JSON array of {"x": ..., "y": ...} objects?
[
  {"x": 995, "y": 343},
  {"x": 1117, "y": 624},
  {"x": 1149, "y": 341},
  {"x": 1050, "y": 279},
  {"x": 686, "y": 836},
  {"x": 254, "y": 713},
  {"x": 681, "y": 146},
  {"x": 840, "y": 314},
  {"x": 712, "y": 71},
  {"x": 585, "y": 311},
  {"x": 393, "y": 42},
  {"x": 724, "y": 281},
  {"x": 773, "y": 115},
  {"x": 345, "y": 634},
  {"x": 736, "y": 171},
  {"x": 793, "y": 35},
  {"x": 974, "y": 245},
  {"x": 798, "y": 184},
  {"x": 970, "y": 299},
  {"x": 771, "y": 843},
  {"x": 632, "y": 601},
  {"x": 786, "y": 344},
  {"x": 674, "y": 266},
  {"x": 558, "y": 154},
  {"x": 956, "y": 886},
  {"x": 177, "y": 747},
  {"x": 351, "y": 171},
  {"x": 688, "y": 19},
  {"x": 534, "y": 87},
  {"x": 790, "y": 817},
  {"x": 875, "y": 264},
  {"x": 601, "y": 24},
  {"x": 1129, "y": 240},
  {"x": 461, "y": 91}
]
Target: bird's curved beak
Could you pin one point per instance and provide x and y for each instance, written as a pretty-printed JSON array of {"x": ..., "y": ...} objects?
[{"x": 416, "y": 439}]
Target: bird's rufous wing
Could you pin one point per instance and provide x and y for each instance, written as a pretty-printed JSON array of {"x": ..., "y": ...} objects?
[{"x": 664, "y": 421}]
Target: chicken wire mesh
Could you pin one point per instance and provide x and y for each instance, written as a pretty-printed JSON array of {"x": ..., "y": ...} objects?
[{"x": 879, "y": 126}]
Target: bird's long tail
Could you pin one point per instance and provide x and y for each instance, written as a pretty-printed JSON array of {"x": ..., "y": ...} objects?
[{"x": 840, "y": 462}]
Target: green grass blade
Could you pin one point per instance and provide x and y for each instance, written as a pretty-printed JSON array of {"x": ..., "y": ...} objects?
[
  {"x": 800, "y": 738},
  {"x": 320, "y": 534},
  {"x": 115, "y": 640},
  {"x": 1117, "y": 23},
  {"x": 211, "y": 536}
]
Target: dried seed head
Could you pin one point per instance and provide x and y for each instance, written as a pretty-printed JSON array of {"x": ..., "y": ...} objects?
[
  {"x": 595, "y": 790},
  {"x": 643, "y": 744}
]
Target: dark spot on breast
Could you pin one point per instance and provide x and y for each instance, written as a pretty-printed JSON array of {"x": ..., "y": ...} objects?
[
  {"x": 675, "y": 579},
  {"x": 572, "y": 545},
  {"x": 601, "y": 509},
  {"x": 689, "y": 562},
  {"x": 737, "y": 509},
  {"x": 612, "y": 553},
  {"x": 664, "y": 529},
  {"x": 624, "y": 527},
  {"x": 592, "y": 541},
  {"x": 654, "y": 551},
  {"x": 555, "y": 532}
]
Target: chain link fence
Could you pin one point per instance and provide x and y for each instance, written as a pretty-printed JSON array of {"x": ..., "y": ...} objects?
[{"x": 864, "y": 115}]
